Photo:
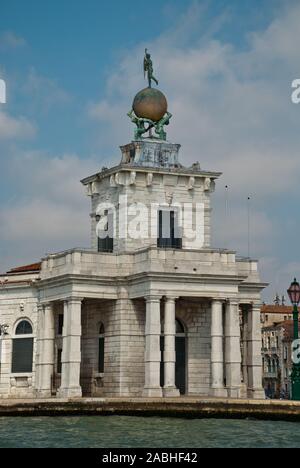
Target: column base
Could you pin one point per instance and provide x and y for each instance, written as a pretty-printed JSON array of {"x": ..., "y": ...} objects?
[
  {"x": 256, "y": 393},
  {"x": 74, "y": 392},
  {"x": 171, "y": 392},
  {"x": 218, "y": 392},
  {"x": 234, "y": 392},
  {"x": 155, "y": 392}
]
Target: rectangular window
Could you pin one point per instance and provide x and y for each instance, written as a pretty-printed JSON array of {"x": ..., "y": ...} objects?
[
  {"x": 101, "y": 355},
  {"x": 22, "y": 355},
  {"x": 106, "y": 241},
  {"x": 169, "y": 233},
  {"x": 60, "y": 324},
  {"x": 59, "y": 363}
]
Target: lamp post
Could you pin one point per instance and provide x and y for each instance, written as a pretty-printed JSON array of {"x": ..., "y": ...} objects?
[{"x": 294, "y": 295}]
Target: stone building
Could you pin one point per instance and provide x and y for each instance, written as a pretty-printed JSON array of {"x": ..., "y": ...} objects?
[
  {"x": 274, "y": 314},
  {"x": 151, "y": 309},
  {"x": 277, "y": 342}
]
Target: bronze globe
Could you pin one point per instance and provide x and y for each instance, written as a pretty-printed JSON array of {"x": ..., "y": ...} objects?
[{"x": 150, "y": 103}]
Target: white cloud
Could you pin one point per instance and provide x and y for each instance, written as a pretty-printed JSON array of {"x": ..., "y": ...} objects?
[
  {"x": 15, "y": 127},
  {"x": 9, "y": 40},
  {"x": 45, "y": 93},
  {"x": 51, "y": 211}
]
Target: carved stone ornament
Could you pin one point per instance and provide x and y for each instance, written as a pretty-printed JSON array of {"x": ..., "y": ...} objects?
[
  {"x": 132, "y": 178},
  {"x": 112, "y": 181},
  {"x": 207, "y": 184},
  {"x": 169, "y": 197},
  {"x": 191, "y": 183},
  {"x": 149, "y": 179}
]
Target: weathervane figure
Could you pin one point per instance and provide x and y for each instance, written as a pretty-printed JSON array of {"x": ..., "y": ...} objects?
[{"x": 148, "y": 68}]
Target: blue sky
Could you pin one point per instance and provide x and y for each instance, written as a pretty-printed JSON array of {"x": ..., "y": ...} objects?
[{"x": 72, "y": 68}]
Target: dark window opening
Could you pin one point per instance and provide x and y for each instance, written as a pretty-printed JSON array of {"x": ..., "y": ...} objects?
[
  {"x": 169, "y": 232},
  {"x": 22, "y": 355},
  {"x": 101, "y": 349},
  {"x": 106, "y": 238},
  {"x": 24, "y": 328},
  {"x": 101, "y": 355},
  {"x": 60, "y": 324},
  {"x": 59, "y": 361}
]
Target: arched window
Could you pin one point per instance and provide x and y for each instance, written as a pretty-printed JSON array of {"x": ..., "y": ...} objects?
[
  {"x": 22, "y": 352},
  {"x": 101, "y": 349},
  {"x": 24, "y": 328}
]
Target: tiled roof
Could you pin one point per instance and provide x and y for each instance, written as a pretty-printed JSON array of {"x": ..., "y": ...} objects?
[
  {"x": 33, "y": 267},
  {"x": 276, "y": 309},
  {"x": 288, "y": 327}
]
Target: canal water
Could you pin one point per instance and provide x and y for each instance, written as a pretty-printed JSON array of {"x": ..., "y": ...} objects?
[{"x": 152, "y": 432}]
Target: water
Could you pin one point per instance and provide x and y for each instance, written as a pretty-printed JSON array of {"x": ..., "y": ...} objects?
[{"x": 153, "y": 432}]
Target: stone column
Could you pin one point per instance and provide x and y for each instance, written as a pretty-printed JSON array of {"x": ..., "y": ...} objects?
[
  {"x": 255, "y": 388},
  {"x": 71, "y": 353},
  {"x": 232, "y": 350},
  {"x": 244, "y": 310},
  {"x": 46, "y": 361},
  {"x": 217, "y": 355},
  {"x": 152, "y": 350},
  {"x": 169, "y": 389},
  {"x": 39, "y": 344}
]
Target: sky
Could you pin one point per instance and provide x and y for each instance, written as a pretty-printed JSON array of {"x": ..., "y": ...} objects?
[{"x": 72, "y": 69}]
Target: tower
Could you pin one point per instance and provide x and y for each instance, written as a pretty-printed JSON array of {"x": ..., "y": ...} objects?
[{"x": 150, "y": 199}]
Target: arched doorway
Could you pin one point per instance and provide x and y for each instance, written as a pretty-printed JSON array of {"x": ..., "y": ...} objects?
[{"x": 180, "y": 366}]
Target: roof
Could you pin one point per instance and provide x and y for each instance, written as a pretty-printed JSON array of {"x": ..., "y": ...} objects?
[
  {"x": 33, "y": 267},
  {"x": 287, "y": 326},
  {"x": 276, "y": 309}
]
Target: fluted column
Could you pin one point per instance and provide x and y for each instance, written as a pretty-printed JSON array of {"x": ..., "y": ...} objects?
[
  {"x": 152, "y": 349},
  {"x": 71, "y": 353},
  {"x": 46, "y": 361},
  {"x": 217, "y": 355},
  {"x": 169, "y": 389},
  {"x": 232, "y": 350},
  {"x": 255, "y": 388}
]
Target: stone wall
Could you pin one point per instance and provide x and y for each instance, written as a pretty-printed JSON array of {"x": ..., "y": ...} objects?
[
  {"x": 16, "y": 305},
  {"x": 123, "y": 321},
  {"x": 166, "y": 190}
]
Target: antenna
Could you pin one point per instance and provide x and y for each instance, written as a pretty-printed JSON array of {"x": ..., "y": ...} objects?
[
  {"x": 226, "y": 216},
  {"x": 249, "y": 225}
]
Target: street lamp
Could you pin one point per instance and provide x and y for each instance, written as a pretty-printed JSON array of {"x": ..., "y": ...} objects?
[{"x": 294, "y": 295}]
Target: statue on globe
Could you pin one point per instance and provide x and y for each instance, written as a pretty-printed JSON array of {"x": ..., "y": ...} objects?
[
  {"x": 148, "y": 68},
  {"x": 150, "y": 107}
]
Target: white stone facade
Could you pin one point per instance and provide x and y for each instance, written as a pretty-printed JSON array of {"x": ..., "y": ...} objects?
[{"x": 131, "y": 300}]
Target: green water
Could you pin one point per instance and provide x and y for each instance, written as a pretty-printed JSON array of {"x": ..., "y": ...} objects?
[{"x": 123, "y": 431}]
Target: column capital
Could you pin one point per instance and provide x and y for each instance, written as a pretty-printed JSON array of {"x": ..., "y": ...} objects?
[
  {"x": 153, "y": 298},
  {"x": 171, "y": 298},
  {"x": 218, "y": 301},
  {"x": 73, "y": 299},
  {"x": 255, "y": 305},
  {"x": 232, "y": 301}
]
